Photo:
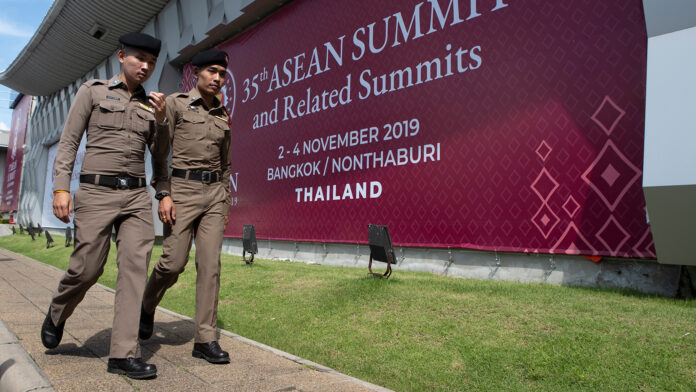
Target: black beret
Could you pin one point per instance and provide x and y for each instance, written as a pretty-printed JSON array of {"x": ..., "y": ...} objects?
[
  {"x": 141, "y": 41},
  {"x": 210, "y": 57}
]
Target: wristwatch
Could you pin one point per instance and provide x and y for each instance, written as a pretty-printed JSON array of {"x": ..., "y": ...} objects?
[{"x": 161, "y": 195}]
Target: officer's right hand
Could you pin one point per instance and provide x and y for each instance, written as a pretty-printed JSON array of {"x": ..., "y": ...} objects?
[
  {"x": 166, "y": 210},
  {"x": 158, "y": 101},
  {"x": 62, "y": 206}
]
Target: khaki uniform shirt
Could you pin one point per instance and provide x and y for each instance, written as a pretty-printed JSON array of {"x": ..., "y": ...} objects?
[
  {"x": 118, "y": 128},
  {"x": 199, "y": 137}
]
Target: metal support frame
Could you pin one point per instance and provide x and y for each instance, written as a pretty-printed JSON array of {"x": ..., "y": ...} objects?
[
  {"x": 387, "y": 273},
  {"x": 250, "y": 260}
]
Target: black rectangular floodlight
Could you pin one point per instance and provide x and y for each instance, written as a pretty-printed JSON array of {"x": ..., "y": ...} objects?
[
  {"x": 49, "y": 240},
  {"x": 68, "y": 236},
  {"x": 380, "y": 249},
  {"x": 380, "y": 244},
  {"x": 249, "y": 243},
  {"x": 249, "y": 239}
]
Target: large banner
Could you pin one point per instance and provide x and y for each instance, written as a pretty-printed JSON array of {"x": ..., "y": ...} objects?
[
  {"x": 507, "y": 125},
  {"x": 15, "y": 155}
]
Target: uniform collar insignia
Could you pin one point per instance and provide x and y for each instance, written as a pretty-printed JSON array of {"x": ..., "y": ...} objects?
[
  {"x": 115, "y": 82},
  {"x": 194, "y": 96}
]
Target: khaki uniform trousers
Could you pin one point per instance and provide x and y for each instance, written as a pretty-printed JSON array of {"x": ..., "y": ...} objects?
[
  {"x": 200, "y": 210},
  {"x": 98, "y": 209}
]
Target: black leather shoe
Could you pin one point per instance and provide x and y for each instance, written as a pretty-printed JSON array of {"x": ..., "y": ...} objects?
[
  {"x": 51, "y": 334},
  {"x": 131, "y": 367},
  {"x": 211, "y": 352},
  {"x": 147, "y": 323}
]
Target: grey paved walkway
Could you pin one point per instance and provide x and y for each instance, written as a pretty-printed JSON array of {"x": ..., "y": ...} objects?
[{"x": 79, "y": 362}]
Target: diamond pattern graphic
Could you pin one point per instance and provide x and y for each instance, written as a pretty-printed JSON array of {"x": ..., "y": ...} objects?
[
  {"x": 611, "y": 175},
  {"x": 608, "y": 114},
  {"x": 645, "y": 247},
  {"x": 543, "y": 150},
  {"x": 545, "y": 220},
  {"x": 573, "y": 242},
  {"x": 612, "y": 235},
  {"x": 188, "y": 79},
  {"x": 544, "y": 185},
  {"x": 571, "y": 206}
]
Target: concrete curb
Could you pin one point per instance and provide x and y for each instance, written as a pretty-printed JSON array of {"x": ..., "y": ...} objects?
[{"x": 18, "y": 371}]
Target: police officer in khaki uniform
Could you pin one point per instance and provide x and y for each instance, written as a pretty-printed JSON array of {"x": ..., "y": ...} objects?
[
  {"x": 121, "y": 120},
  {"x": 196, "y": 203}
]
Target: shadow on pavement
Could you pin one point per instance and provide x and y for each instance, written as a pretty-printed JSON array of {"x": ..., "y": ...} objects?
[
  {"x": 96, "y": 346},
  {"x": 173, "y": 333}
]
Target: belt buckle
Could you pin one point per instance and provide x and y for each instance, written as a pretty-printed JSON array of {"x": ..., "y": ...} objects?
[
  {"x": 121, "y": 183},
  {"x": 206, "y": 177}
]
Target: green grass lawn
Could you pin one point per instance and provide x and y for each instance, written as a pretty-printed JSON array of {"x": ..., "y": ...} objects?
[{"x": 418, "y": 331}]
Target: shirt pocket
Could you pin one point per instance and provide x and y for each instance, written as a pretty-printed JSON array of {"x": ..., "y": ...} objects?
[
  {"x": 191, "y": 126},
  {"x": 219, "y": 130},
  {"x": 142, "y": 121},
  {"x": 111, "y": 115}
]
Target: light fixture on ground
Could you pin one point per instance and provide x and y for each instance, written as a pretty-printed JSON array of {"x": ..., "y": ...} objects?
[
  {"x": 49, "y": 240},
  {"x": 380, "y": 249},
  {"x": 249, "y": 243}
]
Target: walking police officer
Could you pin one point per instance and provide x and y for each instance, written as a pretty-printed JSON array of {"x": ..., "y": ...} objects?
[
  {"x": 120, "y": 120},
  {"x": 196, "y": 202}
]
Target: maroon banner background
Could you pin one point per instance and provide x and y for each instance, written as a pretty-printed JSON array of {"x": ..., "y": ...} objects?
[
  {"x": 534, "y": 127},
  {"x": 15, "y": 156}
]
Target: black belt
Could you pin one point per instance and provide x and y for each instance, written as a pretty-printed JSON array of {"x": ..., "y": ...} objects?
[
  {"x": 204, "y": 176},
  {"x": 116, "y": 182}
]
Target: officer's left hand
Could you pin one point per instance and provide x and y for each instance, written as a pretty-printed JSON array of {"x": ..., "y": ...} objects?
[
  {"x": 62, "y": 206},
  {"x": 227, "y": 219},
  {"x": 159, "y": 102},
  {"x": 167, "y": 211}
]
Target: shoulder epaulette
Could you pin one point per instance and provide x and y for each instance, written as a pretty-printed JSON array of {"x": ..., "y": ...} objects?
[{"x": 92, "y": 82}]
